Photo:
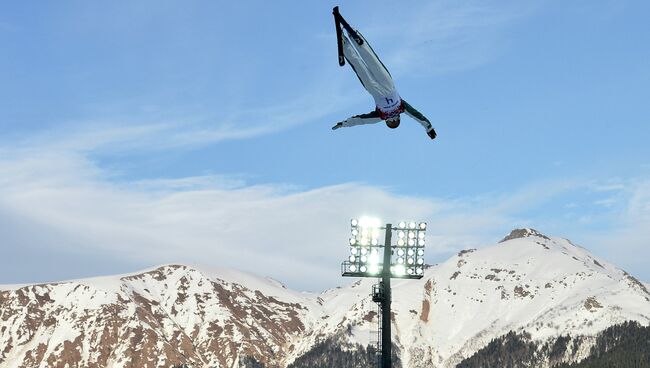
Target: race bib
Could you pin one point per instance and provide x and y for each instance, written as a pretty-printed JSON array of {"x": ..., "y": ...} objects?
[{"x": 388, "y": 103}]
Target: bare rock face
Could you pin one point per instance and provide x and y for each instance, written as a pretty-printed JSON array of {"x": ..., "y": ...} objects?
[
  {"x": 523, "y": 233},
  {"x": 171, "y": 315}
]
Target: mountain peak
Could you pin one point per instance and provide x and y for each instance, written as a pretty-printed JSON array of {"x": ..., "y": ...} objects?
[{"x": 524, "y": 233}]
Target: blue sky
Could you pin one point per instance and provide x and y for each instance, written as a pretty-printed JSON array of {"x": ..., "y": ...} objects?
[{"x": 135, "y": 134}]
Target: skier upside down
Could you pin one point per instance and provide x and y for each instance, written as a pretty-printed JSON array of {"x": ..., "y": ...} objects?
[{"x": 376, "y": 79}]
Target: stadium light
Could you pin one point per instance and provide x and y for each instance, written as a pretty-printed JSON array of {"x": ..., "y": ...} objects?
[
  {"x": 404, "y": 260},
  {"x": 366, "y": 248}
]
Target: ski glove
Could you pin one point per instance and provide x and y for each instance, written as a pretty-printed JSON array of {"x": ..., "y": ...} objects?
[
  {"x": 432, "y": 133},
  {"x": 338, "y": 125}
]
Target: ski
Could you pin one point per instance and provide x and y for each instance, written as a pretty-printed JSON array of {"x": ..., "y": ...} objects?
[
  {"x": 339, "y": 35},
  {"x": 347, "y": 26}
]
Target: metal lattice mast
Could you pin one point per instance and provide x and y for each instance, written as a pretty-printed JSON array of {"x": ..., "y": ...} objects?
[{"x": 386, "y": 346}]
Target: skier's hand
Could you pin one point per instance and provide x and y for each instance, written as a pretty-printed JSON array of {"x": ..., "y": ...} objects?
[
  {"x": 432, "y": 133},
  {"x": 338, "y": 125}
]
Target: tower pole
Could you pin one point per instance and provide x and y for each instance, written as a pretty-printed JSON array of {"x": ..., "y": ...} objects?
[{"x": 386, "y": 343}]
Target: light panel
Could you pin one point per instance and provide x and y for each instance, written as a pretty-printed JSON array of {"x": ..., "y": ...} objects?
[
  {"x": 366, "y": 249},
  {"x": 409, "y": 250}
]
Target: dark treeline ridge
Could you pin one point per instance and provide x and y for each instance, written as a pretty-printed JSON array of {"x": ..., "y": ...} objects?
[
  {"x": 621, "y": 346},
  {"x": 326, "y": 355},
  {"x": 514, "y": 350},
  {"x": 330, "y": 354}
]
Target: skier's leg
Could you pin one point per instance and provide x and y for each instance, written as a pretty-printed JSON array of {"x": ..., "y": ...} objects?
[
  {"x": 359, "y": 66},
  {"x": 376, "y": 68}
]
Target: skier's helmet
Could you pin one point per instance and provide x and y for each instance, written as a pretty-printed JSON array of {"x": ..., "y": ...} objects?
[{"x": 393, "y": 122}]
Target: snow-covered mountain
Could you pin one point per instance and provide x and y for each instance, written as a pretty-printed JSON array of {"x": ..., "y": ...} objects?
[
  {"x": 176, "y": 314},
  {"x": 528, "y": 282},
  {"x": 169, "y": 315}
]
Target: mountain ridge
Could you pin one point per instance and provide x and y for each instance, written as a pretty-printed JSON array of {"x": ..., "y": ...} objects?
[{"x": 176, "y": 314}]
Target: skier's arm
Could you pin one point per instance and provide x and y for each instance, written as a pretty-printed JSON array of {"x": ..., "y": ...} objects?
[
  {"x": 417, "y": 116},
  {"x": 369, "y": 118}
]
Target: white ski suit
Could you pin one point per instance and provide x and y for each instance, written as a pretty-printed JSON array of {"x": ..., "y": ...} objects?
[{"x": 376, "y": 79}]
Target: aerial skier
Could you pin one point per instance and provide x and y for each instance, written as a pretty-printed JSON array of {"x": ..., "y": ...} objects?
[{"x": 376, "y": 79}]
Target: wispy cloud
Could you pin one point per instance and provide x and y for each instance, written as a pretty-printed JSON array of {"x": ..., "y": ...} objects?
[
  {"x": 275, "y": 229},
  {"x": 257, "y": 228},
  {"x": 187, "y": 131},
  {"x": 627, "y": 240},
  {"x": 443, "y": 36}
]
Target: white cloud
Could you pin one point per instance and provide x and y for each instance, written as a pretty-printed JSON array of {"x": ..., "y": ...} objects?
[
  {"x": 129, "y": 135},
  {"x": 71, "y": 205},
  {"x": 157, "y": 128},
  {"x": 608, "y": 202},
  {"x": 257, "y": 228},
  {"x": 276, "y": 229},
  {"x": 612, "y": 185},
  {"x": 189, "y": 183}
]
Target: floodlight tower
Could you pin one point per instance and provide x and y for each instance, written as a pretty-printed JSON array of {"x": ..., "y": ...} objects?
[{"x": 404, "y": 260}]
